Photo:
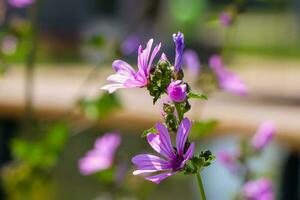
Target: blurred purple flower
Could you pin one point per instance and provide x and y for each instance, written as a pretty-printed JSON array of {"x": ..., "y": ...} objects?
[
  {"x": 191, "y": 61},
  {"x": 130, "y": 45},
  {"x": 9, "y": 45},
  {"x": 177, "y": 91},
  {"x": 20, "y": 3},
  {"x": 172, "y": 159},
  {"x": 179, "y": 43},
  {"x": 102, "y": 156},
  {"x": 229, "y": 160},
  {"x": 260, "y": 189},
  {"x": 225, "y": 19},
  {"x": 228, "y": 81},
  {"x": 126, "y": 76},
  {"x": 263, "y": 136}
]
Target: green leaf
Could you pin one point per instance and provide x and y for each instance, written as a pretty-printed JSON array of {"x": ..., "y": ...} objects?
[
  {"x": 193, "y": 95},
  {"x": 150, "y": 130},
  {"x": 44, "y": 152},
  {"x": 203, "y": 128}
]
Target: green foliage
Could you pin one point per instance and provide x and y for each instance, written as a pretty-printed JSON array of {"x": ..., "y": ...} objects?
[
  {"x": 42, "y": 153},
  {"x": 205, "y": 158},
  {"x": 150, "y": 130},
  {"x": 96, "y": 41},
  {"x": 3, "y": 68},
  {"x": 56, "y": 137},
  {"x": 197, "y": 163},
  {"x": 106, "y": 176},
  {"x": 193, "y": 95},
  {"x": 100, "y": 107},
  {"x": 202, "y": 128}
]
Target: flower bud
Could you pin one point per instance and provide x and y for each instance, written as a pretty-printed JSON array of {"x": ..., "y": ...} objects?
[
  {"x": 168, "y": 108},
  {"x": 179, "y": 43},
  {"x": 171, "y": 122},
  {"x": 177, "y": 91},
  {"x": 163, "y": 64}
]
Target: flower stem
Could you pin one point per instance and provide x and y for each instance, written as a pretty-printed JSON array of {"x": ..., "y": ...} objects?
[
  {"x": 200, "y": 186},
  {"x": 179, "y": 112},
  {"x": 30, "y": 66}
]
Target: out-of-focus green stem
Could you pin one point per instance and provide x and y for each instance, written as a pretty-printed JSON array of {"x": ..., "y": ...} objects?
[
  {"x": 229, "y": 41},
  {"x": 30, "y": 65}
]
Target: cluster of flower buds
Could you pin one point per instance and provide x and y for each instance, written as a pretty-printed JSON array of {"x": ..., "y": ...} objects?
[
  {"x": 163, "y": 79},
  {"x": 159, "y": 79}
]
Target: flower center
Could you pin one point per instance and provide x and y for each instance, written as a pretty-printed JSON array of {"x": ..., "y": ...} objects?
[{"x": 176, "y": 163}]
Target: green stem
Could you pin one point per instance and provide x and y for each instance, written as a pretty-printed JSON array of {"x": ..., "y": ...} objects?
[
  {"x": 30, "y": 65},
  {"x": 179, "y": 112},
  {"x": 200, "y": 186}
]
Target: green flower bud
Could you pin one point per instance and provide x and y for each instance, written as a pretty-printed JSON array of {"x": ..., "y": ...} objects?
[
  {"x": 163, "y": 65},
  {"x": 171, "y": 122},
  {"x": 168, "y": 108}
]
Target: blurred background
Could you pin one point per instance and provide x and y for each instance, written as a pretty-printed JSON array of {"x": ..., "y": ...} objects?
[{"x": 56, "y": 54}]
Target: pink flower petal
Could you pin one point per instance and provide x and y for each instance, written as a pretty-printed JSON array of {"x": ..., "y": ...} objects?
[
  {"x": 159, "y": 177},
  {"x": 182, "y": 134},
  {"x": 165, "y": 139},
  {"x": 123, "y": 68},
  {"x": 158, "y": 146},
  {"x": 188, "y": 154},
  {"x": 112, "y": 87},
  {"x": 264, "y": 135}
]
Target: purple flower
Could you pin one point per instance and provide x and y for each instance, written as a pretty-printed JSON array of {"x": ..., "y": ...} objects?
[
  {"x": 260, "y": 189},
  {"x": 215, "y": 62},
  {"x": 263, "y": 136},
  {"x": 229, "y": 160},
  {"x": 130, "y": 45},
  {"x": 228, "y": 81},
  {"x": 177, "y": 91},
  {"x": 179, "y": 43},
  {"x": 20, "y": 3},
  {"x": 192, "y": 61},
  {"x": 102, "y": 156},
  {"x": 126, "y": 76},
  {"x": 225, "y": 19},
  {"x": 172, "y": 159}
]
